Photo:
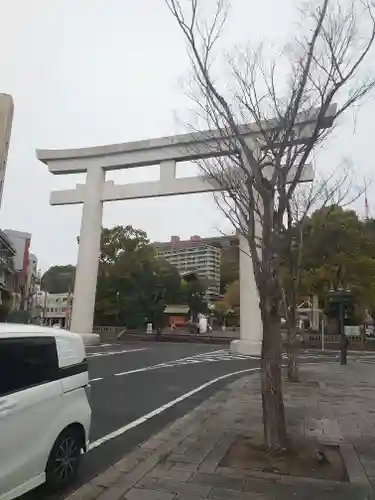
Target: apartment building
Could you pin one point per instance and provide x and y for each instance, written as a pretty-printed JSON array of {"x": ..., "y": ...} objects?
[{"x": 194, "y": 255}]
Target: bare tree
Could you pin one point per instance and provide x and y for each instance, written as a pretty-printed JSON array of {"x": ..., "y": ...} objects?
[
  {"x": 292, "y": 106},
  {"x": 339, "y": 188}
]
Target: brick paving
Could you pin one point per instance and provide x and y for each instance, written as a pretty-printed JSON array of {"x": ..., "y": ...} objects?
[{"x": 183, "y": 462}]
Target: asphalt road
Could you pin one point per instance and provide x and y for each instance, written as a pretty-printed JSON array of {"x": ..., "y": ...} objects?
[{"x": 138, "y": 388}]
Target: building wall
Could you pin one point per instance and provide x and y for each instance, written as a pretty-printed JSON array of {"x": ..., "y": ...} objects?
[
  {"x": 6, "y": 120},
  {"x": 53, "y": 307},
  {"x": 32, "y": 272},
  {"x": 33, "y": 265},
  {"x": 8, "y": 282},
  {"x": 31, "y": 280},
  {"x": 21, "y": 242}
]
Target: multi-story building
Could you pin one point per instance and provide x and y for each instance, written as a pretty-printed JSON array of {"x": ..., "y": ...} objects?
[
  {"x": 21, "y": 242},
  {"x": 25, "y": 266},
  {"x": 194, "y": 256},
  {"x": 6, "y": 120},
  {"x": 8, "y": 281},
  {"x": 17, "y": 280}
]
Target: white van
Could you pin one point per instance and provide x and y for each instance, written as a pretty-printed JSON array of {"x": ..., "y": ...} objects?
[{"x": 44, "y": 409}]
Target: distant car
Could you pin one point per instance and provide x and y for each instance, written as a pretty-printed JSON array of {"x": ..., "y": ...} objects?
[{"x": 45, "y": 413}]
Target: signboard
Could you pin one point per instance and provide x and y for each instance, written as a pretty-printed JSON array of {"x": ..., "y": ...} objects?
[
  {"x": 202, "y": 324},
  {"x": 354, "y": 331}
]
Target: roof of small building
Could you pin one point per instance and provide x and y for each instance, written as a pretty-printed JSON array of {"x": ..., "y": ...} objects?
[{"x": 176, "y": 309}]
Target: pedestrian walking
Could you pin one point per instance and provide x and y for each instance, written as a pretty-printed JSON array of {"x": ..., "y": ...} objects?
[{"x": 158, "y": 334}]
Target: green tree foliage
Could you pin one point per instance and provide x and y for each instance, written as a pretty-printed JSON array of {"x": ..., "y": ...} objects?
[
  {"x": 133, "y": 285},
  {"x": 232, "y": 296},
  {"x": 119, "y": 240},
  {"x": 229, "y": 266},
  {"x": 335, "y": 239},
  {"x": 58, "y": 279},
  {"x": 192, "y": 293},
  {"x": 221, "y": 309}
]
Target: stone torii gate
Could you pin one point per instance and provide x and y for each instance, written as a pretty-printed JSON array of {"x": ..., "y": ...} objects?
[{"x": 166, "y": 152}]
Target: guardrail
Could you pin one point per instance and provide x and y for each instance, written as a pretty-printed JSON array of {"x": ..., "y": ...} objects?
[
  {"x": 316, "y": 337},
  {"x": 108, "y": 329},
  {"x": 308, "y": 339},
  {"x": 356, "y": 342}
]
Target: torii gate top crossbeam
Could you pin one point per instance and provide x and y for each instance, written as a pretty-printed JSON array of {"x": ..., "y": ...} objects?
[
  {"x": 186, "y": 147},
  {"x": 166, "y": 152}
]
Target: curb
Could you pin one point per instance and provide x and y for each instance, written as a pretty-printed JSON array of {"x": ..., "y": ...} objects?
[
  {"x": 354, "y": 467},
  {"x": 178, "y": 338}
]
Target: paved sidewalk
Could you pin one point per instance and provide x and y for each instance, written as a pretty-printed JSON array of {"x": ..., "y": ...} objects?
[{"x": 183, "y": 462}]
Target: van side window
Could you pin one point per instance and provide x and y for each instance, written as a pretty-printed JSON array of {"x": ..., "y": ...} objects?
[{"x": 26, "y": 362}]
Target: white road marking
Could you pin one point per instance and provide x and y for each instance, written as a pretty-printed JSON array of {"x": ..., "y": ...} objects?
[
  {"x": 138, "y": 370},
  {"x": 96, "y": 379},
  {"x": 99, "y": 346},
  {"x": 199, "y": 358},
  {"x": 154, "y": 413},
  {"x": 112, "y": 353},
  {"x": 303, "y": 356}
]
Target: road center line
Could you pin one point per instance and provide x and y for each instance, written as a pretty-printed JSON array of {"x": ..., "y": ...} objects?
[
  {"x": 96, "y": 379},
  {"x": 162, "y": 365},
  {"x": 154, "y": 413},
  {"x": 111, "y": 353}
]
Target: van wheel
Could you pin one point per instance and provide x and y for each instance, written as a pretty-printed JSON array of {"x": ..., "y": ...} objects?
[{"x": 64, "y": 459}]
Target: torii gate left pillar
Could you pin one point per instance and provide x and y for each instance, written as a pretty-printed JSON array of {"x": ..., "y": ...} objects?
[
  {"x": 88, "y": 252},
  {"x": 164, "y": 152}
]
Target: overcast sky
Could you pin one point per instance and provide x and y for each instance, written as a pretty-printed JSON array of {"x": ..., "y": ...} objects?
[{"x": 92, "y": 72}]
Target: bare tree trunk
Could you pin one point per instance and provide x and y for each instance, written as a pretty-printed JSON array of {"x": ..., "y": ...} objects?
[{"x": 274, "y": 424}]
